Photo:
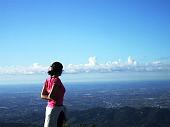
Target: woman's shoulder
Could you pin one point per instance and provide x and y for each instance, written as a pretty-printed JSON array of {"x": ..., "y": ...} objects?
[{"x": 57, "y": 79}]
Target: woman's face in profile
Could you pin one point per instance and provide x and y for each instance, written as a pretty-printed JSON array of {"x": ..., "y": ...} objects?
[{"x": 50, "y": 68}]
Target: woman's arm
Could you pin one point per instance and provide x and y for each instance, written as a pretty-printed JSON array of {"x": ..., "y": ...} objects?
[
  {"x": 44, "y": 94},
  {"x": 54, "y": 92}
]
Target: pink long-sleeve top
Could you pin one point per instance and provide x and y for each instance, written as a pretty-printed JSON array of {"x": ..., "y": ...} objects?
[{"x": 58, "y": 93}]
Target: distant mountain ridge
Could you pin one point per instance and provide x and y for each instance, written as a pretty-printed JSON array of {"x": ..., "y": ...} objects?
[
  {"x": 105, "y": 117},
  {"x": 123, "y": 117}
]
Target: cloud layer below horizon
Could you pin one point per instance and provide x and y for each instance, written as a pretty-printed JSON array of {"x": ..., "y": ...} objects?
[{"x": 131, "y": 65}]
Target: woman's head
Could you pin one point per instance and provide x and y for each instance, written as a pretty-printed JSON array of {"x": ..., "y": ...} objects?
[{"x": 55, "y": 69}]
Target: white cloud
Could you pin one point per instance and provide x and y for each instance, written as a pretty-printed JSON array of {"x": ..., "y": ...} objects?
[
  {"x": 92, "y": 66},
  {"x": 131, "y": 61},
  {"x": 156, "y": 62},
  {"x": 33, "y": 69},
  {"x": 92, "y": 61}
]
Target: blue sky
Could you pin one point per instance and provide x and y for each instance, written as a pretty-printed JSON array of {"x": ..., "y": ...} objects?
[{"x": 73, "y": 31}]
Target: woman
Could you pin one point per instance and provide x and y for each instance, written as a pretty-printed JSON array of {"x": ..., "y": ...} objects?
[{"x": 54, "y": 91}]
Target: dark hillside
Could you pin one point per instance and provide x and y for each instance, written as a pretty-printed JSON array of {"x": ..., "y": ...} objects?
[{"x": 102, "y": 117}]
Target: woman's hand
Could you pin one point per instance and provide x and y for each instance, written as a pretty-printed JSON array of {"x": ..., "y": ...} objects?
[{"x": 46, "y": 97}]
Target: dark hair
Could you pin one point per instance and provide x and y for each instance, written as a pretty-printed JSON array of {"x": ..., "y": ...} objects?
[{"x": 56, "y": 69}]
